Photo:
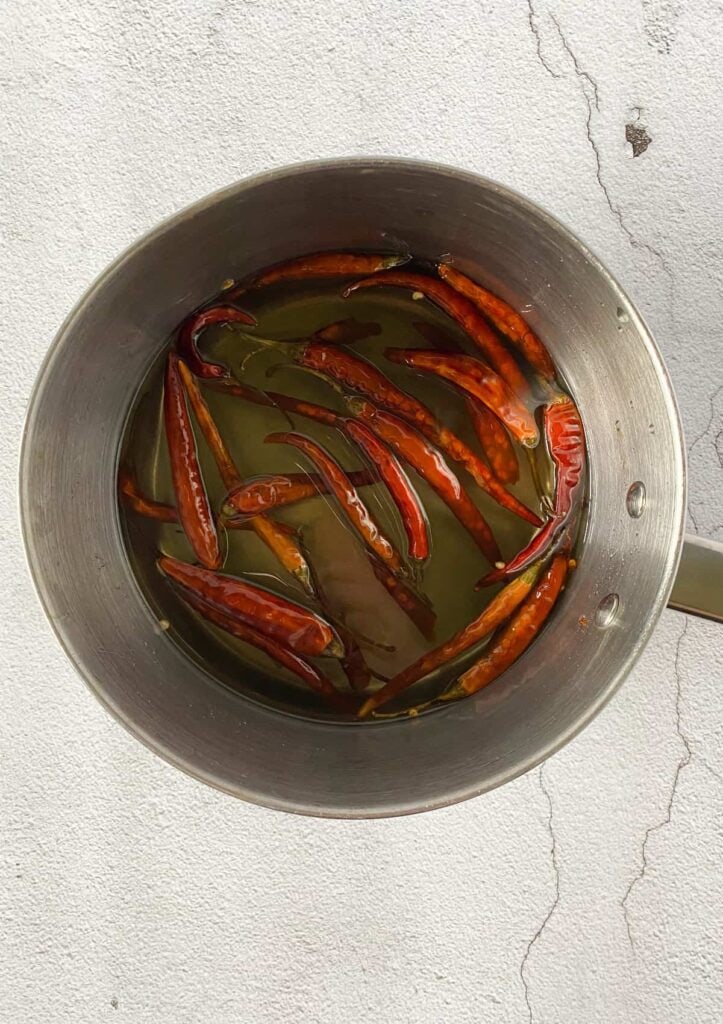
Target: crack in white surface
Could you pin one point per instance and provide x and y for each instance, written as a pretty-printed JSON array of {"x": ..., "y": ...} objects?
[
  {"x": 683, "y": 762},
  {"x": 553, "y": 907},
  {"x": 591, "y": 95},
  {"x": 586, "y": 77},
  {"x": 712, "y": 399},
  {"x": 533, "y": 21}
]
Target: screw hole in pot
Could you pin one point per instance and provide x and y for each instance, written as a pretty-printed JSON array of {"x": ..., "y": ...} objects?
[
  {"x": 607, "y": 610},
  {"x": 635, "y": 499}
]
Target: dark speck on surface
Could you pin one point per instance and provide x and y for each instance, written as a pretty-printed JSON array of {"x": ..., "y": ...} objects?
[{"x": 638, "y": 137}]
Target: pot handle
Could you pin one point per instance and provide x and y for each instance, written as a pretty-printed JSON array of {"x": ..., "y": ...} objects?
[{"x": 698, "y": 586}]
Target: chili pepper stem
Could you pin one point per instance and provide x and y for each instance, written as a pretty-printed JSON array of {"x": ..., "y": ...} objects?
[
  {"x": 228, "y": 511},
  {"x": 416, "y": 571},
  {"x": 409, "y": 712},
  {"x": 278, "y": 367}
]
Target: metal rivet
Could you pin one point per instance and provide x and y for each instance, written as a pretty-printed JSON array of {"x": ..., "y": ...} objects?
[
  {"x": 607, "y": 610},
  {"x": 635, "y": 499}
]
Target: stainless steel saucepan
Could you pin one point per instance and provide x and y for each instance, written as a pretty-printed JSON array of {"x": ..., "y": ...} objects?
[{"x": 631, "y": 548}]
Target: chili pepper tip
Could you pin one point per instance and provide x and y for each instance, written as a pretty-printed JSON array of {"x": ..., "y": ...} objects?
[
  {"x": 497, "y": 574},
  {"x": 366, "y": 708},
  {"x": 335, "y": 648},
  {"x": 303, "y": 575}
]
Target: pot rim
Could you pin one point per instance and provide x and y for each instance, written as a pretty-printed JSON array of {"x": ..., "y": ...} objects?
[{"x": 189, "y": 212}]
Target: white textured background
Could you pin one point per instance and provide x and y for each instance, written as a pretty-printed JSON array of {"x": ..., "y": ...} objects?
[{"x": 588, "y": 892}]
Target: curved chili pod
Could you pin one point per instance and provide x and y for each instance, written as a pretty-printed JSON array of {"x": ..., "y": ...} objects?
[
  {"x": 415, "y": 450},
  {"x": 279, "y": 540},
  {"x": 399, "y": 485},
  {"x": 494, "y": 441},
  {"x": 291, "y": 624},
  {"x": 323, "y": 264},
  {"x": 187, "y": 342},
  {"x": 130, "y": 492},
  {"x": 500, "y": 608},
  {"x": 310, "y": 674},
  {"x": 194, "y": 508},
  {"x": 506, "y": 319},
  {"x": 462, "y": 311},
  {"x": 517, "y": 635},
  {"x": 360, "y": 375},
  {"x": 475, "y": 378},
  {"x": 337, "y": 480},
  {"x": 566, "y": 443},
  {"x": 492, "y": 436},
  {"x": 263, "y": 493}
]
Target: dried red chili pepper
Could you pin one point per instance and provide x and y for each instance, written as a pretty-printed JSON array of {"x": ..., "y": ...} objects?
[
  {"x": 310, "y": 674},
  {"x": 187, "y": 343},
  {"x": 462, "y": 311},
  {"x": 150, "y": 509},
  {"x": 399, "y": 485},
  {"x": 301, "y": 407},
  {"x": 360, "y": 375},
  {"x": 492, "y": 436},
  {"x": 517, "y": 635},
  {"x": 194, "y": 508},
  {"x": 416, "y": 607},
  {"x": 217, "y": 446},
  {"x": 281, "y": 541},
  {"x": 233, "y": 387},
  {"x": 337, "y": 480},
  {"x": 346, "y": 332},
  {"x": 475, "y": 378},
  {"x": 128, "y": 487},
  {"x": 494, "y": 441},
  {"x": 263, "y": 493},
  {"x": 506, "y": 319},
  {"x": 291, "y": 624},
  {"x": 323, "y": 264},
  {"x": 500, "y": 608},
  {"x": 426, "y": 460},
  {"x": 566, "y": 443}
]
